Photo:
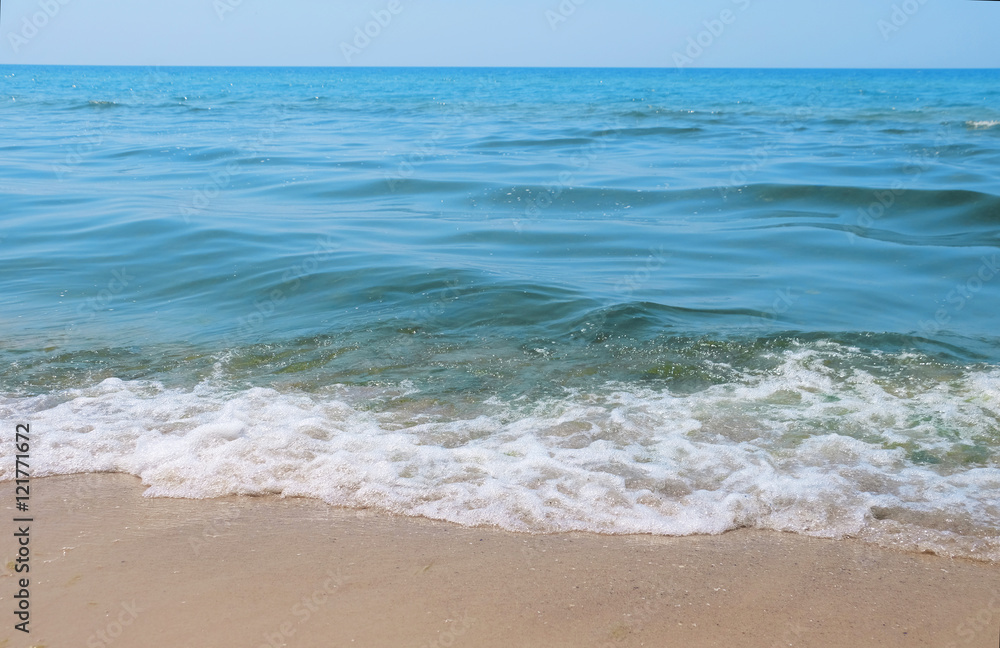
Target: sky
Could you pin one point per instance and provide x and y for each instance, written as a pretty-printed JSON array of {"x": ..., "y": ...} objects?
[{"x": 546, "y": 33}]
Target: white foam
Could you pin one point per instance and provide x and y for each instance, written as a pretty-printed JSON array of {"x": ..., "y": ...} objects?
[
  {"x": 982, "y": 124},
  {"x": 802, "y": 448}
]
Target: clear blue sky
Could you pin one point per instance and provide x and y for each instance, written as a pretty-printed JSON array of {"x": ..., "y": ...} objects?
[{"x": 640, "y": 33}]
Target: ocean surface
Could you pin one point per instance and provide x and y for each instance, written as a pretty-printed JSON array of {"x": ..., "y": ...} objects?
[{"x": 621, "y": 301}]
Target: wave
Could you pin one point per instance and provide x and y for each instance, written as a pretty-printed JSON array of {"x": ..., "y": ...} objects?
[
  {"x": 821, "y": 444},
  {"x": 533, "y": 143},
  {"x": 101, "y": 104},
  {"x": 652, "y": 131}
]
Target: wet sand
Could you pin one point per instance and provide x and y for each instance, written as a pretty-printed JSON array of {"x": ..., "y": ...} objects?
[{"x": 112, "y": 568}]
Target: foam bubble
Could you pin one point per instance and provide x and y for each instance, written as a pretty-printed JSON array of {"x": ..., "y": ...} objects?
[{"x": 812, "y": 447}]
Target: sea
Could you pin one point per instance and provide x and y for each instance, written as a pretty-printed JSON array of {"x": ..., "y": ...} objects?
[{"x": 621, "y": 301}]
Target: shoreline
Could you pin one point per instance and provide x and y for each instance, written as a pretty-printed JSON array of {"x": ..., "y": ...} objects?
[{"x": 112, "y": 568}]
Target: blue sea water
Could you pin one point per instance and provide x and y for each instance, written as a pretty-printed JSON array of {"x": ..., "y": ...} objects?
[{"x": 623, "y": 301}]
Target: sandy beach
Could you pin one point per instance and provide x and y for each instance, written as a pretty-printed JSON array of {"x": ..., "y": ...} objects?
[{"x": 112, "y": 568}]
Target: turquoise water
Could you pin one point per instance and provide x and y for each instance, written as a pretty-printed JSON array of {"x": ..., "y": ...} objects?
[{"x": 653, "y": 301}]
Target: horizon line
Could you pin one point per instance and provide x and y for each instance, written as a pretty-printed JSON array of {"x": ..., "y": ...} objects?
[{"x": 494, "y": 67}]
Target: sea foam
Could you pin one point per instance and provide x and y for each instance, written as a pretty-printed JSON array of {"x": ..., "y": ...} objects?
[{"x": 802, "y": 449}]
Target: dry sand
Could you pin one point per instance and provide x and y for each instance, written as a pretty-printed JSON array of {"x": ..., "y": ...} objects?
[{"x": 111, "y": 568}]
